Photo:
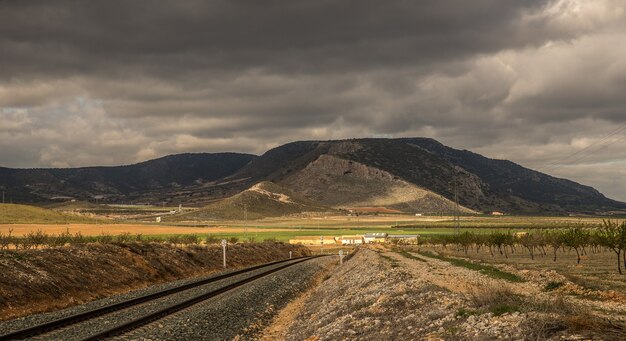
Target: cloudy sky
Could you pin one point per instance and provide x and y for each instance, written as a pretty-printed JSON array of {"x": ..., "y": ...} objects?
[{"x": 542, "y": 83}]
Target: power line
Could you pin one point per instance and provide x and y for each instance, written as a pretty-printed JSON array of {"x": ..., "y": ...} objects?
[
  {"x": 591, "y": 153},
  {"x": 602, "y": 140},
  {"x": 559, "y": 162}
]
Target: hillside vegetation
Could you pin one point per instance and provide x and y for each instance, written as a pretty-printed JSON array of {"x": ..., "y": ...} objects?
[{"x": 24, "y": 214}]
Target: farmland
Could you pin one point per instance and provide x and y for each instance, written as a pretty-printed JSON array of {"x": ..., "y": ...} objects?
[
  {"x": 24, "y": 214},
  {"x": 513, "y": 255},
  {"x": 279, "y": 228}
]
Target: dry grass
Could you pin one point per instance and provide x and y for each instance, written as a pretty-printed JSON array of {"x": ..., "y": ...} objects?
[
  {"x": 547, "y": 317},
  {"x": 587, "y": 326},
  {"x": 497, "y": 300}
]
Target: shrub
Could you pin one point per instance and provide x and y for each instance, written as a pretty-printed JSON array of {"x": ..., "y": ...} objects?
[
  {"x": 188, "y": 239},
  {"x": 552, "y": 285},
  {"x": 37, "y": 238},
  {"x": 6, "y": 240},
  {"x": 60, "y": 239},
  {"x": 124, "y": 237},
  {"x": 105, "y": 238},
  {"x": 496, "y": 300},
  {"x": 78, "y": 238}
]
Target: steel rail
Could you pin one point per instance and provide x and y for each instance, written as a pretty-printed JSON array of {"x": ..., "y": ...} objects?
[
  {"x": 157, "y": 315},
  {"x": 90, "y": 314}
]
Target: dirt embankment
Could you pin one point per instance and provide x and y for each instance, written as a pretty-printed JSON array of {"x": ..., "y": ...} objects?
[
  {"x": 34, "y": 281},
  {"x": 388, "y": 295}
]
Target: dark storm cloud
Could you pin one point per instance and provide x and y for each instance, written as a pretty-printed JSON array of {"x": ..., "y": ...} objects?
[
  {"x": 112, "y": 82},
  {"x": 178, "y": 39}
]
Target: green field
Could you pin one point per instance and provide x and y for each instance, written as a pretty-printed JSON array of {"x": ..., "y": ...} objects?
[
  {"x": 23, "y": 214},
  {"x": 407, "y": 222},
  {"x": 286, "y": 235}
]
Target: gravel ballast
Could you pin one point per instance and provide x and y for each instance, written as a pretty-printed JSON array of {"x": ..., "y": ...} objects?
[
  {"x": 242, "y": 312},
  {"x": 73, "y": 333}
]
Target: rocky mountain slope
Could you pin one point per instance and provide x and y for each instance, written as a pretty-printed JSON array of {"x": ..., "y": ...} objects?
[
  {"x": 407, "y": 174},
  {"x": 343, "y": 183},
  {"x": 265, "y": 199}
]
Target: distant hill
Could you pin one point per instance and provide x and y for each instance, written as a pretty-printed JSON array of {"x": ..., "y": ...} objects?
[
  {"x": 482, "y": 184},
  {"x": 264, "y": 199},
  {"x": 121, "y": 182},
  {"x": 24, "y": 214},
  {"x": 417, "y": 175}
]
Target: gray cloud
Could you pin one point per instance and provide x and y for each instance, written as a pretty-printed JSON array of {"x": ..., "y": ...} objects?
[{"x": 113, "y": 82}]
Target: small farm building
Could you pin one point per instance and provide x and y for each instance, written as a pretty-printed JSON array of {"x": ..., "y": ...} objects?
[
  {"x": 351, "y": 240},
  {"x": 378, "y": 237}
]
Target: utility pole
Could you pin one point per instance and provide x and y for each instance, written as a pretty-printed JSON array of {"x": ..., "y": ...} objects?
[
  {"x": 457, "y": 218},
  {"x": 245, "y": 220}
]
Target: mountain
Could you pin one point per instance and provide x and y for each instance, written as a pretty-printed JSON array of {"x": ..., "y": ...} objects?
[
  {"x": 265, "y": 199},
  {"x": 417, "y": 175},
  {"x": 122, "y": 182},
  {"x": 519, "y": 188},
  {"x": 398, "y": 172}
]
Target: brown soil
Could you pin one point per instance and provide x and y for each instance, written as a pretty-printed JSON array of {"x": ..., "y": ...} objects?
[
  {"x": 35, "y": 281},
  {"x": 277, "y": 330}
]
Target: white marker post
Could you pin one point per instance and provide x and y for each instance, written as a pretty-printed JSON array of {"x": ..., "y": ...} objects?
[
  {"x": 224, "y": 249},
  {"x": 289, "y": 254},
  {"x": 340, "y": 257}
]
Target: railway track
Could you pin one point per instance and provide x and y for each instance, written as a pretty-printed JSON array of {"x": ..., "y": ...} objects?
[{"x": 46, "y": 330}]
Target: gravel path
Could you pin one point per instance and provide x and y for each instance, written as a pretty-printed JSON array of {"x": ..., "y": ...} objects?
[
  {"x": 239, "y": 313},
  {"x": 72, "y": 333}
]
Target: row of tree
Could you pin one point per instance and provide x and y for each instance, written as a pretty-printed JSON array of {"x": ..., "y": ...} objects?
[
  {"x": 608, "y": 236},
  {"x": 39, "y": 239}
]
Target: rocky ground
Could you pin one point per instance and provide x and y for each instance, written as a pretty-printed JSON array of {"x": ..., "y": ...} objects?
[{"x": 381, "y": 294}]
